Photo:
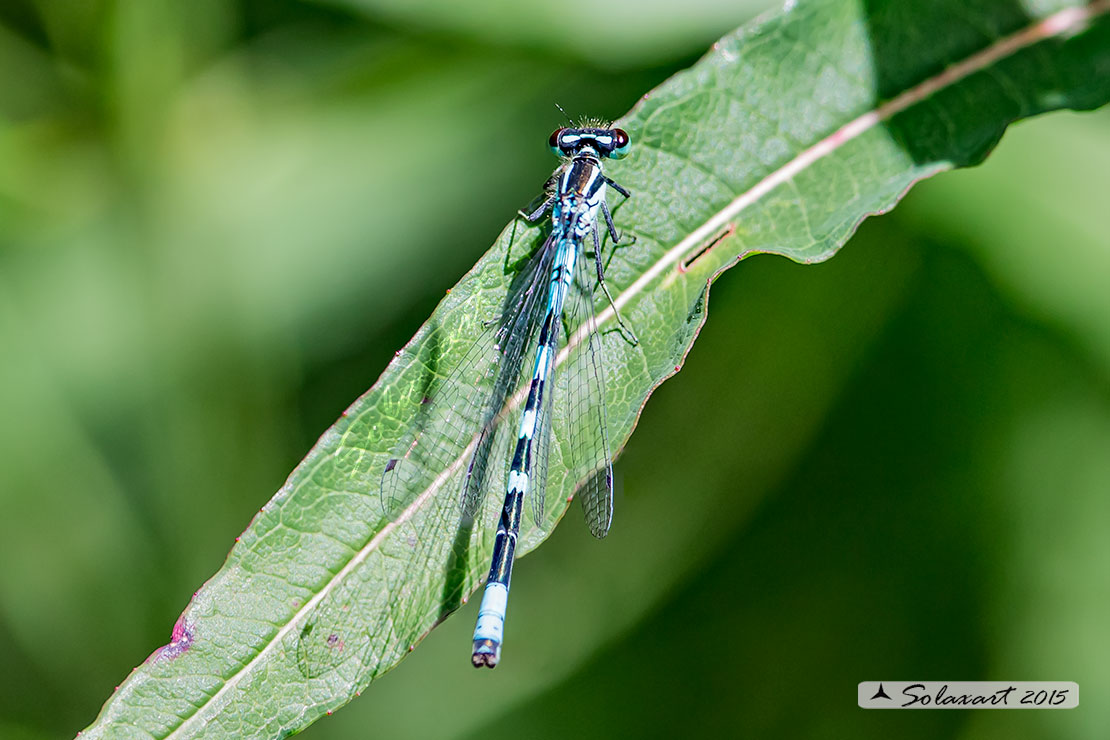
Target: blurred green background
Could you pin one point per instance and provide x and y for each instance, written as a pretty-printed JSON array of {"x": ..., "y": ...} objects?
[{"x": 220, "y": 218}]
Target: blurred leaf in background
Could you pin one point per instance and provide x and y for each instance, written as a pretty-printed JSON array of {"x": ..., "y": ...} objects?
[{"x": 206, "y": 252}]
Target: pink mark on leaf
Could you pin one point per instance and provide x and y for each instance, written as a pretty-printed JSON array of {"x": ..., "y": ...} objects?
[{"x": 181, "y": 639}]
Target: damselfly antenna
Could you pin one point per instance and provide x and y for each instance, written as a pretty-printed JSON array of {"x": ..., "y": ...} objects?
[{"x": 565, "y": 113}]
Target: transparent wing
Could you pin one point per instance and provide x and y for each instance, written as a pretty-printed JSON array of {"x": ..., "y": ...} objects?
[
  {"x": 588, "y": 455},
  {"x": 455, "y": 432},
  {"x": 579, "y": 413},
  {"x": 444, "y": 456}
]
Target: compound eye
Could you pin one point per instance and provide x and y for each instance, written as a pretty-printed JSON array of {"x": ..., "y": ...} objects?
[
  {"x": 554, "y": 142},
  {"x": 621, "y": 142}
]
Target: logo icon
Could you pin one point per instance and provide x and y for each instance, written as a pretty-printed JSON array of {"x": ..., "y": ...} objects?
[{"x": 880, "y": 694}]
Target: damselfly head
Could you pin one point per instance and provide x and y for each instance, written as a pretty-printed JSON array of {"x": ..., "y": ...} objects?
[{"x": 604, "y": 142}]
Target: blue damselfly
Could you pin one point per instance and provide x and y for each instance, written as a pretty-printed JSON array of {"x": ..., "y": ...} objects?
[
  {"x": 575, "y": 201},
  {"x": 462, "y": 447}
]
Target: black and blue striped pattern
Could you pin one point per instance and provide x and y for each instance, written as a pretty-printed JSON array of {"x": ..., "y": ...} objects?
[{"x": 575, "y": 205}]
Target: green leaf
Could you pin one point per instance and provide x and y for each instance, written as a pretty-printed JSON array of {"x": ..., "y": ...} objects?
[{"x": 781, "y": 140}]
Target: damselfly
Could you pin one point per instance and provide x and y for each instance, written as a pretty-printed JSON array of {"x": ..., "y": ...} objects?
[
  {"x": 542, "y": 366},
  {"x": 578, "y": 196}
]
